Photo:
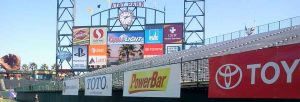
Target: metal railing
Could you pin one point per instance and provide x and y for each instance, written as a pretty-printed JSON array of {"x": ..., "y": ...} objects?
[{"x": 258, "y": 29}]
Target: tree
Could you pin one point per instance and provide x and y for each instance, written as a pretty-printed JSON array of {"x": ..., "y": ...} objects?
[
  {"x": 54, "y": 66},
  {"x": 44, "y": 67},
  {"x": 127, "y": 50},
  {"x": 108, "y": 51},
  {"x": 32, "y": 66},
  {"x": 25, "y": 67},
  {"x": 140, "y": 51}
]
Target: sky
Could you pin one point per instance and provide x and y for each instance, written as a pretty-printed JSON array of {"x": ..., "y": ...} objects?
[{"x": 28, "y": 27}]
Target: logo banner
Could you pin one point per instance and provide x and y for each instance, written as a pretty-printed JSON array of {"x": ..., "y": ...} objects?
[
  {"x": 154, "y": 36},
  {"x": 70, "y": 87},
  {"x": 79, "y": 57},
  {"x": 153, "y": 49},
  {"x": 97, "y": 50},
  {"x": 266, "y": 73},
  {"x": 98, "y": 36},
  {"x": 173, "y": 33},
  {"x": 153, "y": 82},
  {"x": 81, "y": 36},
  {"x": 170, "y": 48},
  {"x": 98, "y": 85},
  {"x": 117, "y": 53},
  {"x": 134, "y": 37}
]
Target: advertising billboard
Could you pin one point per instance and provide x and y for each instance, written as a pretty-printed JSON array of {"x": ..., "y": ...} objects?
[
  {"x": 173, "y": 33},
  {"x": 266, "y": 73},
  {"x": 133, "y": 37},
  {"x": 154, "y": 36},
  {"x": 98, "y": 36},
  {"x": 81, "y": 36},
  {"x": 170, "y": 48},
  {"x": 97, "y": 55},
  {"x": 70, "y": 87},
  {"x": 98, "y": 85},
  {"x": 163, "y": 81},
  {"x": 151, "y": 50},
  {"x": 79, "y": 57},
  {"x": 117, "y": 53}
]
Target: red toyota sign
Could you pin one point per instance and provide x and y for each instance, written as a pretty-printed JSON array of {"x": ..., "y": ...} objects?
[{"x": 267, "y": 73}]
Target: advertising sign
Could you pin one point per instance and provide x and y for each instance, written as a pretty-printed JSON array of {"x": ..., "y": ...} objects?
[
  {"x": 161, "y": 81},
  {"x": 97, "y": 55},
  {"x": 153, "y": 49},
  {"x": 170, "y": 48},
  {"x": 134, "y": 37},
  {"x": 64, "y": 55},
  {"x": 154, "y": 36},
  {"x": 173, "y": 33},
  {"x": 81, "y": 36},
  {"x": 79, "y": 57},
  {"x": 98, "y": 36},
  {"x": 117, "y": 53},
  {"x": 267, "y": 73},
  {"x": 98, "y": 85},
  {"x": 70, "y": 87}
]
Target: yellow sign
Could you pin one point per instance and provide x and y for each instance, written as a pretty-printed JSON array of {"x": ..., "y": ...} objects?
[{"x": 149, "y": 80}]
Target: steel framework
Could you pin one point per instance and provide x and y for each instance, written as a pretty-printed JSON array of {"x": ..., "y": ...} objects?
[
  {"x": 64, "y": 24},
  {"x": 109, "y": 18},
  {"x": 194, "y": 23}
]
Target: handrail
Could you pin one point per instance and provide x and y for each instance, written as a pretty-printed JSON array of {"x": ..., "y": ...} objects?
[{"x": 259, "y": 29}]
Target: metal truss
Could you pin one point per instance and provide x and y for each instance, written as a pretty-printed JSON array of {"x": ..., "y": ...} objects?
[
  {"x": 194, "y": 23},
  {"x": 142, "y": 16},
  {"x": 64, "y": 24}
]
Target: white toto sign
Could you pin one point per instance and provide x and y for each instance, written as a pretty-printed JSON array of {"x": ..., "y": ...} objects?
[
  {"x": 70, "y": 87},
  {"x": 98, "y": 85}
]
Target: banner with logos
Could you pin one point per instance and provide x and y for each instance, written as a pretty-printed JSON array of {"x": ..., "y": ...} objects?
[
  {"x": 98, "y": 85},
  {"x": 117, "y": 53},
  {"x": 161, "y": 81},
  {"x": 97, "y": 55},
  {"x": 70, "y": 87},
  {"x": 154, "y": 36},
  {"x": 170, "y": 48},
  {"x": 266, "y": 73},
  {"x": 132, "y": 37},
  {"x": 79, "y": 57},
  {"x": 81, "y": 36},
  {"x": 98, "y": 36},
  {"x": 173, "y": 33},
  {"x": 151, "y": 50}
]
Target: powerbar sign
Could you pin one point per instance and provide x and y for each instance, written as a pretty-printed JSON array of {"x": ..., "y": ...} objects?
[
  {"x": 98, "y": 85},
  {"x": 267, "y": 73},
  {"x": 153, "y": 82},
  {"x": 70, "y": 87}
]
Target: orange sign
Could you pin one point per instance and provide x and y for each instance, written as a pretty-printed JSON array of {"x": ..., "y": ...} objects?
[{"x": 97, "y": 50}]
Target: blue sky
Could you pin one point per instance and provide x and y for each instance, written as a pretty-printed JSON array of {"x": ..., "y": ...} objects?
[{"x": 28, "y": 26}]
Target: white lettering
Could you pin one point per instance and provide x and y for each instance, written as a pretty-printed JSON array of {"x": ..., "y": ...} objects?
[
  {"x": 253, "y": 68},
  {"x": 289, "y": 71},
  {"x": 263, "y": 72}
]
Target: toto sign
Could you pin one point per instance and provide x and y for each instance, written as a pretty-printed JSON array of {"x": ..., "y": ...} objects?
[
  {"x": 98, "y": 85},
  {"x": 267, "y": 73}
]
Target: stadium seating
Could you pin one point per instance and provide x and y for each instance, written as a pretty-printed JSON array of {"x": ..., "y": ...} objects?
[{"x": 195, "y": 61}]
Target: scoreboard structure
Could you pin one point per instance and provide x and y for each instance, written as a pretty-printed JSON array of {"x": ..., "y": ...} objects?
[
  {"x": 97, "y": 47},
  {"x": 127, "y": 31}
]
